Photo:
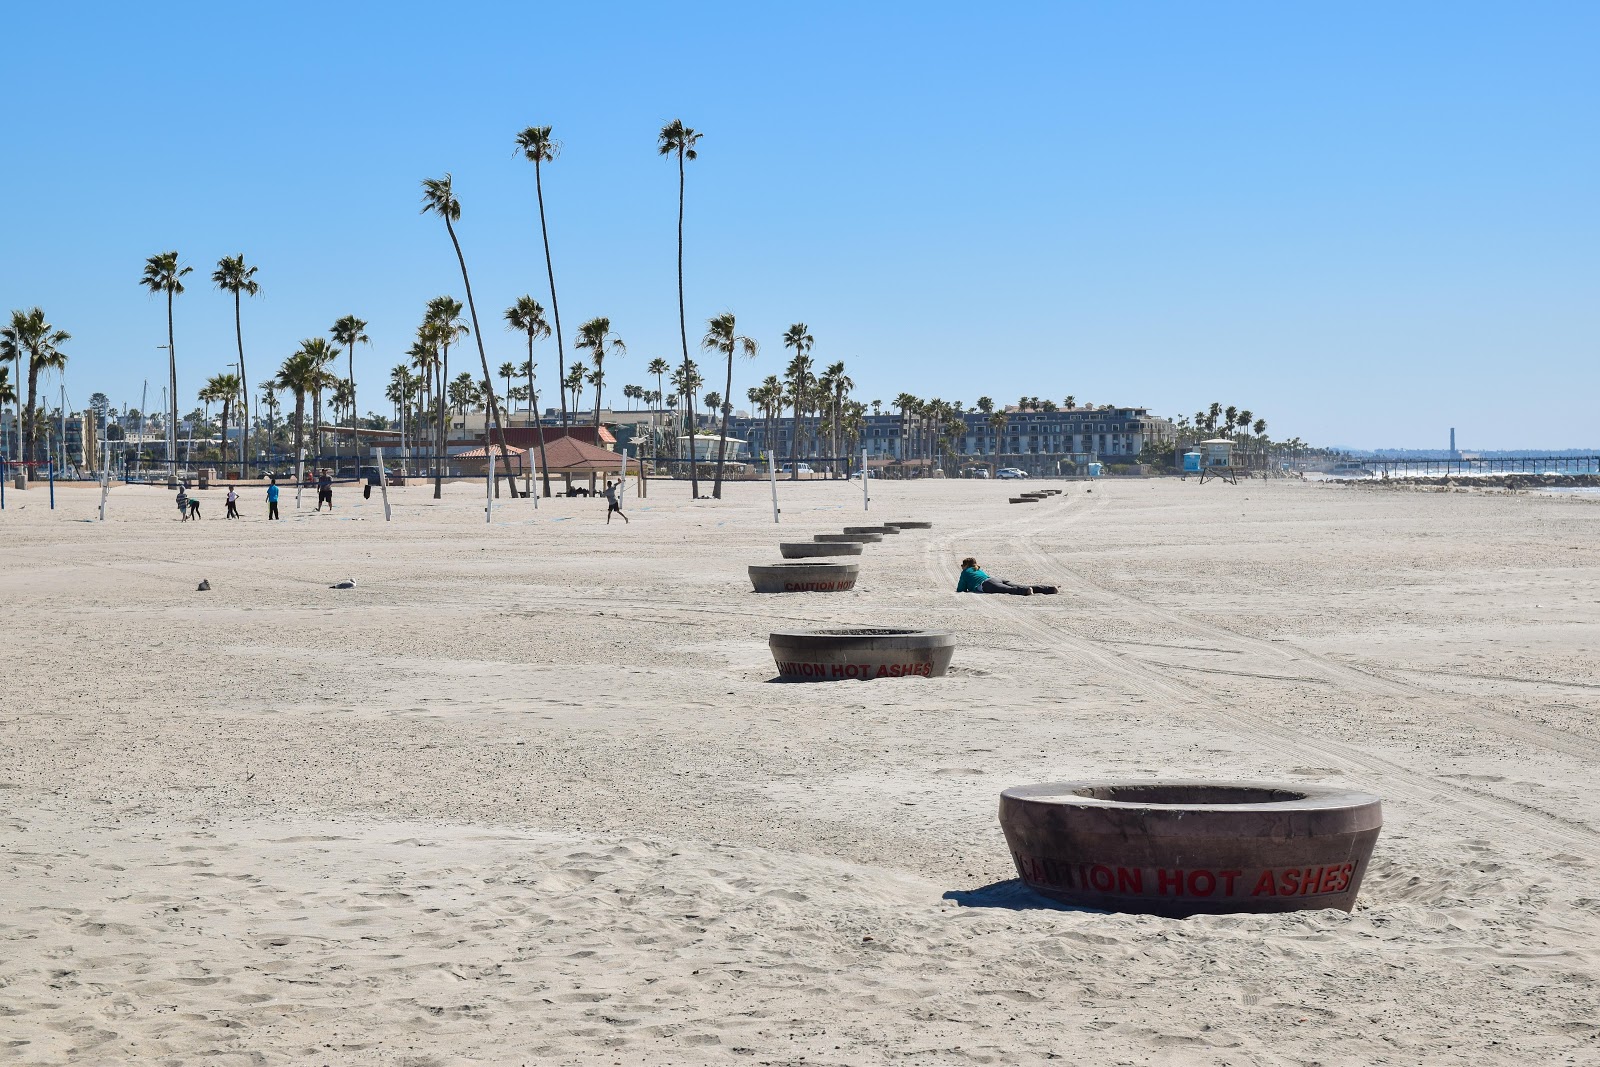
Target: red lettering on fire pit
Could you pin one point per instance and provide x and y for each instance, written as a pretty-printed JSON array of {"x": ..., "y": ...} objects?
[{"x": 1114, "y": 880}]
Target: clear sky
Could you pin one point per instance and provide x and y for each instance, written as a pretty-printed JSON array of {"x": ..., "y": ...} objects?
[{"x": 1367, "y": 222}]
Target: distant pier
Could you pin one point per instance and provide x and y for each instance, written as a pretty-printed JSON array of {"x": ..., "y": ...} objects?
[{"x": 1496, "y": 465}]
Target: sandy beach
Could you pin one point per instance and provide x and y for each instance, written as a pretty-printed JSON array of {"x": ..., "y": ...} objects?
[{"x": 527, "y": 794}]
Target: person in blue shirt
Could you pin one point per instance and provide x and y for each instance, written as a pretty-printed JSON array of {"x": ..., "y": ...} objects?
[
  {"x": 272, "y": 500},
  {"x": 974, "y": 579}
]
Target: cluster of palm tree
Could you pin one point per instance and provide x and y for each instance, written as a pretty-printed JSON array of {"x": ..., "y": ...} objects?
[
  {"x": 30, "y": 338},
  {"x": 1240, "y": 424}
]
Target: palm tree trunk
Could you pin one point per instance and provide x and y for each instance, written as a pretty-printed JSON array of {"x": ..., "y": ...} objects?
[
  {"x": 488, "y": 378},
  {"x": 555, "y": 307},
  {"x": 299, "y": 422},
  {"x": 722, "y": 437},
  {"x": 438, "y": 425},
  {"x": 172, "y": 381},
  {"x": 683, "y": 333},
  {"x": 226, "y": 404},
  {"x": 599, "y": 384},
  {"x": 533, "y": 416},
  {"x": 794, "y": 438},
  {"x": 244, "y": 382},
  {"x": 30, "y": 447}
]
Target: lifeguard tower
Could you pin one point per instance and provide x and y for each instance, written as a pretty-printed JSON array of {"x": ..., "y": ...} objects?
[{"x": 1216, "y": 461}]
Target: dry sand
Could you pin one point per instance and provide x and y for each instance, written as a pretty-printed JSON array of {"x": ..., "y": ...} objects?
[{"x": 526, "y": 794}]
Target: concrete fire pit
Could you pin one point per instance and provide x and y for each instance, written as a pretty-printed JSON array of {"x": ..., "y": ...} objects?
[
  {"x": 860, "y": 539},
  {"x": 1178, "y": 848},
  {"x": 830, "y": 655},
  {"x": 804, "y": 577},
  {"x": 807, "y": 549},
  {"x": 1024, "y": 500},
  {"x": 871, "y": 529},
  {"x": 917, "y": 525}
]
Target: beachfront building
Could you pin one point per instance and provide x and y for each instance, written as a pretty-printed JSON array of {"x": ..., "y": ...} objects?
[{"x": 1040, "y": 442}]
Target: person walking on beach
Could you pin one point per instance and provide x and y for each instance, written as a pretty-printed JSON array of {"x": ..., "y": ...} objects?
[
  {"x": 325, "y": 491},
  {"x": 272, "y": 500},
  {"x": 611, "y": 503},
  {"x": 183, "y": 503},
  {"x": 233, "y": 504},
  {"x": 975, "y": 580}
]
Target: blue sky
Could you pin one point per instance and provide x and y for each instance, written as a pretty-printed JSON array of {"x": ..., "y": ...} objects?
[{"x": 1367, "y": 222}]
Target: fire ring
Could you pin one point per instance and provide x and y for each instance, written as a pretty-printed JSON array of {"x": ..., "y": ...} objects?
[
  {"x": 1183, "y": 847},
  {"x": 865, "y": 653},
  {"x": 862, "y": 538},
  {"x": 805, "y": 549},
  {"x": 804, "y": 577}
]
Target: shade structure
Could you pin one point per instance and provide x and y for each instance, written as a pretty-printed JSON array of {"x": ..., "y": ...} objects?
[{"x": 568, "y": 455}]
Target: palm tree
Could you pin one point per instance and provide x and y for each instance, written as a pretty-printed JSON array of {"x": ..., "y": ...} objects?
[
  {"x": 323, "y": 353},
  {"x": 441, "y": 328},
  {"x": 577, "y": 374},
  {"x": 594, "y": 336},
  {"x": 222, "y": 389},
  {"x": 687, "y": 382},
  {"x": 438, "y": 199},
  {"x": 350, "y": 331},
  {"x": 163, "y": 274},
  {"x": 30, "y": 335},
  {"x": 301, "y": 373},
  {"x": 721, "y": 336},
  {"x": 233, "y": 276},
  {"x": 540, "y": 148},
  {"x": 1070, "y": 403},
  {"x": 526, "y": 316},
  {"x": 659, "y": 368},
  {"x": 835, "y": 384},
  {"x": 799, "y": 338},
  {"x": 8, "y": 392},
  {"x": 677, "y": 139}
]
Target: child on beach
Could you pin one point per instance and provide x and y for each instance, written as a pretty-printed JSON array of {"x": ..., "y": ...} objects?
[
  {"x": 233, "y": 504},
  {"x": 272, "y": 500},
  {"x": 194, "y": 508},
  {"x": 183, "y": 504},
  {"x": 325, "y": 492},
  {"x": 611, "y": 503}
]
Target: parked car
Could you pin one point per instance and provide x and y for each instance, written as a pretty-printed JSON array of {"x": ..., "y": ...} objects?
[
  {"x": 1011, "y": 472},
  {"x": 789, "y": 468},
  {"x": 977, "y": 472}
]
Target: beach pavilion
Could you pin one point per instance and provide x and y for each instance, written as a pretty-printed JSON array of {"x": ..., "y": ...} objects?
[{"x": 567, "y": 456}]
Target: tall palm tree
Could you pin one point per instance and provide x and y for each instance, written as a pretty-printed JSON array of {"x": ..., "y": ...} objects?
[
  {"x": 441, "y": 328},
  {"x": 527, "y": 316},
  {"x": 835, "y": 383},
  {"x": 323, "y": 353},
  {"x": 351, "y": 331},
  {"x": 799, "y": 338},
  {"x": 301, "y": 373},
  {"x": 222, "y": 389},
  {"x": 593, "y": 337},
  {"x": 29, "y": 335},
  {"x": 679, "y": 140},
  {"x": 438, "y": 199},
  {"x": 722, "y": 336},
  {"x": 233, "y": 276},
  {"x": 164, "y": 274},
  {"x": 540, "y": 148}
]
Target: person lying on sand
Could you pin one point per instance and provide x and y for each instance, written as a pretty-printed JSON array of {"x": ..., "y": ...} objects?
[{"x": 975, "y": 580}]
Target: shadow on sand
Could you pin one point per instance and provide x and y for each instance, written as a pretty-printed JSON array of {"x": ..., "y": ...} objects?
[{"x": 1011, "y": 895}]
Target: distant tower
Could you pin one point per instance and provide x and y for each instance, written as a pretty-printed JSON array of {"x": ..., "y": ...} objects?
[{"x": 1452, "y": 439}]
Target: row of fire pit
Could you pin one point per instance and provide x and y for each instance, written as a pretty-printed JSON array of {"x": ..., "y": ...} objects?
[
  {"x": 1156, "y": 847},
  {"x": 1036, "y": 496}
]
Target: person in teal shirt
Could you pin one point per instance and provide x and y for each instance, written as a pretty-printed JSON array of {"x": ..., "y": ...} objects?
[
  {"x": 272, "y": 500},
  {"x": 974, "y": 579}
]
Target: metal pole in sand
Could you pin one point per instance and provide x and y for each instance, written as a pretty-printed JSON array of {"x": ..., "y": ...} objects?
[
  {"x": 383, "y": 484},
  {"x": 772, "y": 474},
  {"x": 866, "y": 501},
  {"x": 299, "y": 478},
  {"x": 488, "y": 490},
  {"x": 105, "y": 478},
  {"x": 52, "y": 484}
]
